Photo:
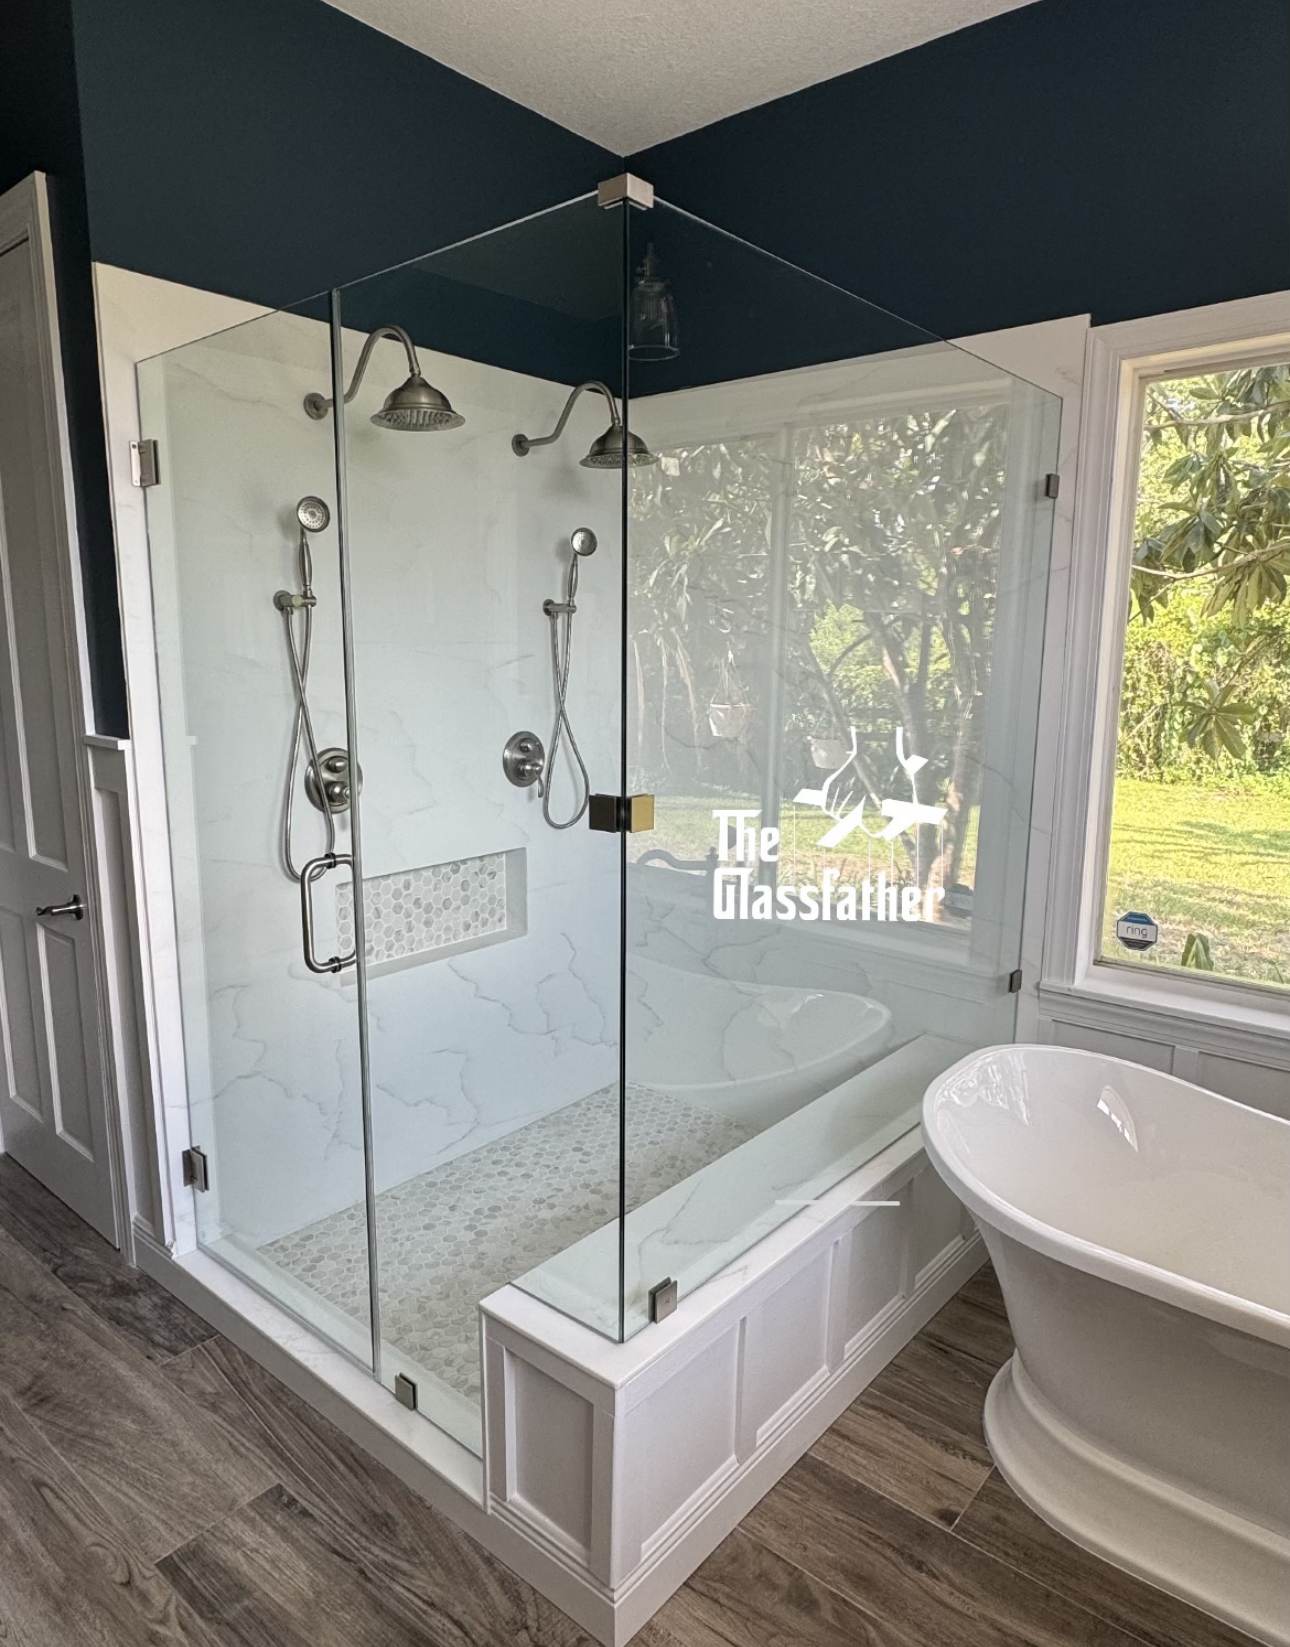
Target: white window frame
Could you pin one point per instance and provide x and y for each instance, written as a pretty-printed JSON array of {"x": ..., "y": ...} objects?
[{"x": 1121, "y": 359}]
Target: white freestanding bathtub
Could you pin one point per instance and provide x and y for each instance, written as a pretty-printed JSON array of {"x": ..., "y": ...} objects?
[
  {"x": 1140, "y": 1228},
  {"x": 752, "y": 1052}
]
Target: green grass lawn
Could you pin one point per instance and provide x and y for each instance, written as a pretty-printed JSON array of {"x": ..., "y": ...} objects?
[{"x": 1215, "y": 861}]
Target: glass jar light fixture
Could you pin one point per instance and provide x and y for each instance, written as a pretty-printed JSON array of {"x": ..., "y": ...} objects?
[{"x": 653, "y": 315}]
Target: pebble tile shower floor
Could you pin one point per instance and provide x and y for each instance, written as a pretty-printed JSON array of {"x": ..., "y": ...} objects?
[{"x": 453, "y": 1235}]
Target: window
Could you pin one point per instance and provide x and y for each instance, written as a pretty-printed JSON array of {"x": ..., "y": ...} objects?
[
  {"x": 1198, "y": 858},
  {"x": 837, "y": 627}
]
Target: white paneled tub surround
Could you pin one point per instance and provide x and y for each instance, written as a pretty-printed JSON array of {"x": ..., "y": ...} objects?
[
  {"x": 751, "y": 1052},
  {"x": 623, "y": 1465},
  {"x": 1140, "y": 1227}
]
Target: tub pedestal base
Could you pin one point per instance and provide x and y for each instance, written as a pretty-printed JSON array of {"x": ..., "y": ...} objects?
[{"x": 1222, "y": 1563}]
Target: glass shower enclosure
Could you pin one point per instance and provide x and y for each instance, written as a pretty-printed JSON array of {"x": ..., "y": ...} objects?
[{"x": 599, "y": 666}]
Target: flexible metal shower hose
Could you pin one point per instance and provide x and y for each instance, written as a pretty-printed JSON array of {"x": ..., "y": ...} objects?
[
  {"x": 561, "y": 653},
  {"x": 303, "y": 725}
]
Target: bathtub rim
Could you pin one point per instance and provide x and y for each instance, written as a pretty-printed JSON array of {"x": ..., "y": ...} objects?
[{"x": 1167, "y": 1286}]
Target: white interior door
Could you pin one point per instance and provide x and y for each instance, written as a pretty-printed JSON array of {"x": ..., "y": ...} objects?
[{"x": 53, "y": 1105}]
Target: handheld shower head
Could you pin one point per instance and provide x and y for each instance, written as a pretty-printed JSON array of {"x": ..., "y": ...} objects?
[
  {"x": 415, "y": 405},
  {"x": 583, "y": 541},
  {"x": 313, "y": 514}
]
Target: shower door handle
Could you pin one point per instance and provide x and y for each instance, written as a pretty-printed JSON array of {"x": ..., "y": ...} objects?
[{"x": 313, "y": 871}]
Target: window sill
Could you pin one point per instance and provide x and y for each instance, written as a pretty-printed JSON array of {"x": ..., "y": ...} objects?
[{"x": 1243, "y": 1023}]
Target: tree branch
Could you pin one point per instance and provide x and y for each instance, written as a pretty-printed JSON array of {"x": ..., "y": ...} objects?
[
  {"x": 1217, "y": 569},
  {"x": 1175, "y": 424}
]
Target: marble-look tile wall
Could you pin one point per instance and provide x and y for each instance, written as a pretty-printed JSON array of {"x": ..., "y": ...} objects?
[{"x": 454, "y": 544}]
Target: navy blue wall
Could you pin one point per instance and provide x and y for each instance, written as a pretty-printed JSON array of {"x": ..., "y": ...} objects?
[
  {"x": 266, "y": 149},
  {"x": 269, "y": 149},
  {"x": 39, "y": 131},
  {"x": 1120, "y": 157},
  {"x": 1117, "y": 156}
]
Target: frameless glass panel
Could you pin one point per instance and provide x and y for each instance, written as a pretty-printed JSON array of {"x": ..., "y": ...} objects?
[
  {"x": 491, "y": 909},
  {"x": 836, "y": 579},
  {"x": 244, "y": 556},
  {"x": 1198, "y": 871}
]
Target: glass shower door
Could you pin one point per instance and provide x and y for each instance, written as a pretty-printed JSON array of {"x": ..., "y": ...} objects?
[
  {"x": 486, "y": 563},
  {"x": 245, "y": 561}
]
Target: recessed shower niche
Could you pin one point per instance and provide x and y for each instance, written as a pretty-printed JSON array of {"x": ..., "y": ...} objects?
[{"x": 779, "y": 566}]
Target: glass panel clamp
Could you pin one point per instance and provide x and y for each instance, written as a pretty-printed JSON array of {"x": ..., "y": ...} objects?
[
  {"x": 621, "y": 814},
  {"x": 662, "y": 1300},
  {"x": 634, "y": 190},
  {"x": 405, "y": 1391}
]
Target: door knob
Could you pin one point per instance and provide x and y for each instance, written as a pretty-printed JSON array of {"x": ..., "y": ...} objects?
[{"x": 73, "y": 907}]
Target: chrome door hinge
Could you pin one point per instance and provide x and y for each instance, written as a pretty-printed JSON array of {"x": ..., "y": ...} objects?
[
  {"x": 621, "y": 814},
  {"x": 1052, "y": 485},
  {"x": 197, "y": 1168},
  {"x": 145, "y": 463},
  {"x": 1014, "y": 982}
]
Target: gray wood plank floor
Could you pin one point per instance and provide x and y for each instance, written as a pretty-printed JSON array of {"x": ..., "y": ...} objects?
[{"x": 158, "y": 1487}]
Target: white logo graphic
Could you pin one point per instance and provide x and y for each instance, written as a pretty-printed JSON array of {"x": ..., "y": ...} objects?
[
  {"x": 735, "y": 896},
  {"x": 903, "y": 815}
]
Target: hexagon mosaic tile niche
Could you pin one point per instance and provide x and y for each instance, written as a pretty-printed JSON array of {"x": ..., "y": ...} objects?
[{"x": 441, "y": 909}]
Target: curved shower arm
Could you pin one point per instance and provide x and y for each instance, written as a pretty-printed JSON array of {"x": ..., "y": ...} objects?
[
  {"x": 521, "y": 444},
  {"x": 319, "y": 405}
]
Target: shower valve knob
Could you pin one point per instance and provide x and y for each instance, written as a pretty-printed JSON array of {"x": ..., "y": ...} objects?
[
  {"x": 523, "y": 759},
  {"x": 331, "y": 786}
]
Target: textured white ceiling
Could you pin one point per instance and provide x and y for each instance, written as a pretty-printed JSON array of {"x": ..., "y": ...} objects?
[{"x": 628, "y": 74}]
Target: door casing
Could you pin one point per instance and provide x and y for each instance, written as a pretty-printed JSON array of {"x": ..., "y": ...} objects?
[{"x": 59, "y": 1112}]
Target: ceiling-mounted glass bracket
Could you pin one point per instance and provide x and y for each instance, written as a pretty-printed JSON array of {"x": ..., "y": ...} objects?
[{"x": 634, "y": 190}]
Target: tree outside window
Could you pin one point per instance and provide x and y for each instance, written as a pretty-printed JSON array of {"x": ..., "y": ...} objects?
[{"x": 1200, "y": 829}]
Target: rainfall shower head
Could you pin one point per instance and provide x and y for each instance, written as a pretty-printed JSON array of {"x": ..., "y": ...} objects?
[
  {"x": 616, "y": 447},
  {"x": 417, "y": 404},
  {"x": 414, "y": 405},
  {"x": 313, "y": 514}
]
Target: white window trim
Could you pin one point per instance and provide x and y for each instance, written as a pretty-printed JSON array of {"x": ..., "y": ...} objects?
[{"x": 1120, "y": 359}]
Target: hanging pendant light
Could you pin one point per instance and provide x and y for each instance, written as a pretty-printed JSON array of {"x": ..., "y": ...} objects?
[{"x": 653, "y": 334}]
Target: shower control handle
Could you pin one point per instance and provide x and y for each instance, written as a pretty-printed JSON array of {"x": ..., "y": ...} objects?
[
  {"x": 330, "y": 784},
  {"x": 313, "y": 871},
  {"x": 523, "y": 759}
]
